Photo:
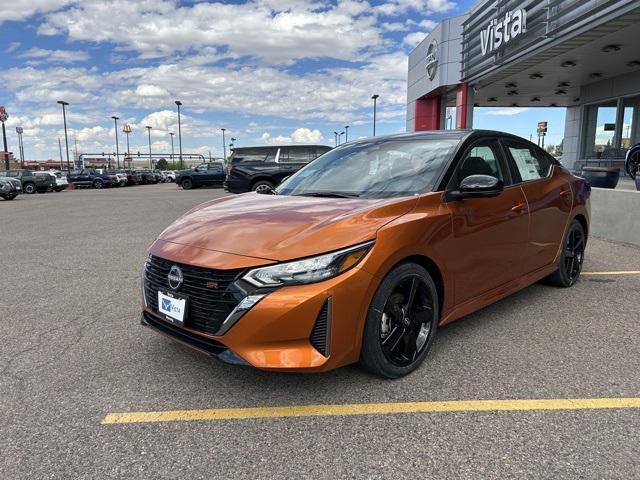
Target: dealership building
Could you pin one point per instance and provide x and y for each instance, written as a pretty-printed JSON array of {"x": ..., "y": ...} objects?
[{"x": 578, "y": 54}]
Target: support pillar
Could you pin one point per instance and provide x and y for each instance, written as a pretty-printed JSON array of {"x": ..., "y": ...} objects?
[
  {"x": 428, "y": 114},
  {"x": 464, "y": 107}
]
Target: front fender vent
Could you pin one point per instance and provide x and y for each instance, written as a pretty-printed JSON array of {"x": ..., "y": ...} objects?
[{"x": 321, "y": 334}]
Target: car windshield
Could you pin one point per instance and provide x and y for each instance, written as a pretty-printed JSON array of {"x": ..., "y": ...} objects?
[{"x": 374, "y": 169}]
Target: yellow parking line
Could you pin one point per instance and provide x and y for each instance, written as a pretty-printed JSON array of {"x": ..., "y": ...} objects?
[
  {"x": 373, "y": 409},
  {"x": 629, "y": 272}
]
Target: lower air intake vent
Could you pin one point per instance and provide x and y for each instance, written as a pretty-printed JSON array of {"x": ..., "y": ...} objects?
[{"x": 322, "y": 329}]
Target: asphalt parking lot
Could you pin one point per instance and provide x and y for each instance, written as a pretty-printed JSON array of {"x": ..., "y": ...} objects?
[{"x": 73, "y": 352}]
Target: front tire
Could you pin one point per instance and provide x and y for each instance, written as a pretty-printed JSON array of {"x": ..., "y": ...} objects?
[
  {"x": 98, "y": 184},
  {"x": 186, "y": 184},
  {"x": 571, "y": 259},
  {"x": 401, "y": 323},
  {"x": 29, "y": 188},
  {"x": 262, "y": 186}
]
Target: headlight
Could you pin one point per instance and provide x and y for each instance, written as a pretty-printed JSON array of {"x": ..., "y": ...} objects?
[{"x": 309, "y": 270}]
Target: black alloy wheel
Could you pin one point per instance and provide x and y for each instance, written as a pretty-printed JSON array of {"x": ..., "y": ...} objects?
[
  {"x": 401, "y": 323},
  {"x": 98, "y": 184},
  {"x": 29, "y": 188},
  {"x": 187, "y": 184},
  {"x": 571, "y": 259}
]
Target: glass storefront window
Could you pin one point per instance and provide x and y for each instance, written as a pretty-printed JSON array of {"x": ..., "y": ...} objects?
[
  {"x": 630, "y": 123},
  {"x": 609, "y": 135},
  {"x": 601, "y": 130}
]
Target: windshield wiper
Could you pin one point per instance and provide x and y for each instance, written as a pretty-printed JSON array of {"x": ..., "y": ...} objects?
[{"x": 329, "y": 194}]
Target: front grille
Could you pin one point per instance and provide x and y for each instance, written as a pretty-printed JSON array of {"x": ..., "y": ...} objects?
[
  {"x": 211, "y": 298},
  {"x": 320, "y": 335}
]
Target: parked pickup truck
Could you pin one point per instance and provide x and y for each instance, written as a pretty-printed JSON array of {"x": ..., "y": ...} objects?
[
  {"x": 31, "y": 183},
  {"x": 88, "y": 177},
  {"x": 204, "y": 174}
]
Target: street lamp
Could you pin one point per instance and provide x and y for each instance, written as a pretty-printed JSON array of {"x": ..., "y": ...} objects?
[
  {"x": 346, "y": 133},
  {"x": 335, "y": 138},
  {"x": 150, "y": 161},
  {"x": 375, "y": 101},
  {"x": 224, "y": 145},
  {"x": 340, "y": 137},
  {"x": 178, "y": 104},
  {"x": 172, "y": 152},
  {"x": 115, "y": 121},
  {"x": 66, "y": 138}
]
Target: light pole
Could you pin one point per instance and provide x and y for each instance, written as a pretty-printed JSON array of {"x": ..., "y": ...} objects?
[
  {"x": 178, "y": 104},
  {"x": 115, "y": 121},
  {"x": 60, "y": 148},
  {"x": 340, "y": 137},
  {"x": 150, "y": 161},
  {"x": 66, "y": 137},
  {"x": 127, "y": 130},
  {"x": 224, "y": 145},
  {"x": 172, "y": 151},
  {"x": 3, "y": 118},
  {"x": 346, "y": 133},
  {"x": 335, "y": 138},
  {"x": 19, "y": 131},
  {"x": 375, "y": 102}
]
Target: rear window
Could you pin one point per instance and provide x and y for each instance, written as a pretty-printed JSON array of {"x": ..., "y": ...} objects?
[{"x": 267, "y": 154}]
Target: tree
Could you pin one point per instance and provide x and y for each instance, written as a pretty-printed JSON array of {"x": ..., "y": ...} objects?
[{"x": 162, "y": 164}]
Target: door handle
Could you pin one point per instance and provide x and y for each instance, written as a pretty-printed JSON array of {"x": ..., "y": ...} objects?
[{"x": 520, "y": 207}]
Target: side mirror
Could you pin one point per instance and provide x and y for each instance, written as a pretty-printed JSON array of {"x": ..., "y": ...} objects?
[{"x": 477, "y": 186}]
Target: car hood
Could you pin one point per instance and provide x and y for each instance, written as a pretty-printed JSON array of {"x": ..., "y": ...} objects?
[{"x": 275, "y": 227}]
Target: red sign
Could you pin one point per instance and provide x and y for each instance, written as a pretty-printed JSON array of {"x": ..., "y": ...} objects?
[{"x": 3, "y": 114}]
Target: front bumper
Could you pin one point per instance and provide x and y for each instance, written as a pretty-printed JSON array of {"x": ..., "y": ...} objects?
[{"x": 275, "y": 334}]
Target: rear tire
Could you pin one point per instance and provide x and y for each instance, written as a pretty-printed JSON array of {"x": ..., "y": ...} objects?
[
  {"x": 262, "y": 186},
  {"x": 186, "y": 184},
  {"x": 400, "y": 325},
  {"x": 571, "y": 259},
  {"x": 98, "y": 184}
]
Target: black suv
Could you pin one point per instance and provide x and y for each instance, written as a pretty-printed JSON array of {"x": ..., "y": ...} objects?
[
  {"x": 211, "y": 173},
  {"x": 262, "y": 168}
]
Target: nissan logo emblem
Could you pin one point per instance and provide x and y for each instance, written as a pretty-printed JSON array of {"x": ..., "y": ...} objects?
[
  {"x": 175, "y": 277},
  {"x": 433, "y": 57}
]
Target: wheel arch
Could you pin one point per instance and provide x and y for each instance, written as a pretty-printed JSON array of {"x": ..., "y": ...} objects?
[
  {"x": 430, "y": 266},
  {"x": 265, "y": 178},
  {"x": 585, "y": 225}
]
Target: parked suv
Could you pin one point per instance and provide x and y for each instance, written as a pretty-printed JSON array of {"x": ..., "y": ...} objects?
[
  {"x": 88, "y": 177},
  {"x": 263, "y": 168},
  {"x": 31, "y": 183},
  {"x": 10, "y": 188},
  {"x": 211, "y": 173}
]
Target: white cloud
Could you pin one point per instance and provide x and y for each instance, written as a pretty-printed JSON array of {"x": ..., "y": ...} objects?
[
  {"x": 162, "y": 28},
  {"x": 413, "y": 39},
  {"x": 41, "y": 55},
  {"x": 17, "y": 10},
  {"x": 425, "y": 7},
  {"x": 13, "y": 46},
  {"x": 300, "y": 135},
  {"x": 505, "y": 112},
  {"x": 144, "y": 90}
]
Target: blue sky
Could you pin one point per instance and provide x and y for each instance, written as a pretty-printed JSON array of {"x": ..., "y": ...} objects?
[{"x": 273, "y": 71}]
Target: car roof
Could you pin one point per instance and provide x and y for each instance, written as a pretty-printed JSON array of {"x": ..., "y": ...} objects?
[{"x": 441, "y": 134}]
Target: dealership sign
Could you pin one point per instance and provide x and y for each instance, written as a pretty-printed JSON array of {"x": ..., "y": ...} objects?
[
  {"x": 3, "y": 115},
  {"x": 433, "y": 58},
  {"x": 502, "y": 31}
]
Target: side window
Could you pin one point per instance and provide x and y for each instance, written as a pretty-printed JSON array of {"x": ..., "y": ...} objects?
[
  {"x": 531, "y": 165},
  {"x": 297, "y": 155},
  {"x": 484, "y": 158}
]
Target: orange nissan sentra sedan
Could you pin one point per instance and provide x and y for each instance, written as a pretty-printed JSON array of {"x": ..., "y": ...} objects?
[{"x": 362, "y": 254}]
